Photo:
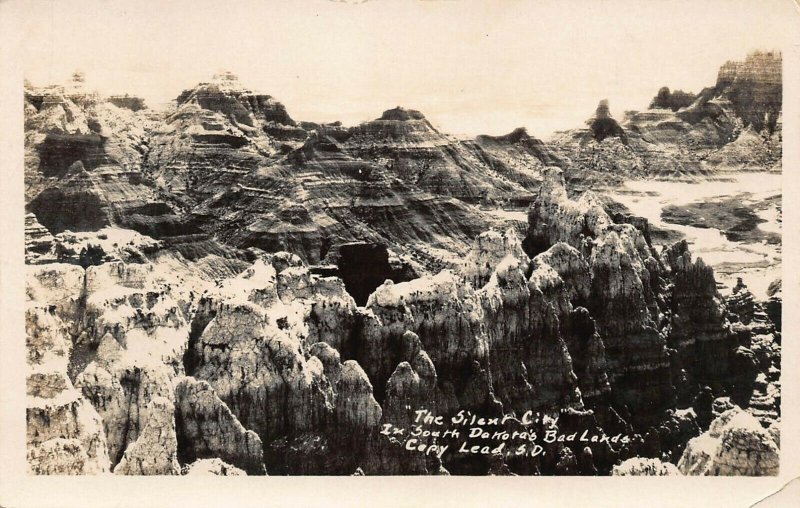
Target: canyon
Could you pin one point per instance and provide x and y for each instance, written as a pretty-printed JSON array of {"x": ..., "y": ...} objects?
[{"x": 219, "y": 288}]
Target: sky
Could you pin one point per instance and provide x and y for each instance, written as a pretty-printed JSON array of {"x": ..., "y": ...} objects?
[{"x": 472, "y": 67}]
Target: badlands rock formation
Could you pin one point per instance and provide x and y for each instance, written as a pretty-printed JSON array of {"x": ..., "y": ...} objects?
[
  {"x": 83, "y": 159},
  {"x": 734, "y": 124},
  {"x": 736, "y": 444},
  {"x": 276, "y": 369},
  {"x": 221, "y": 289}
]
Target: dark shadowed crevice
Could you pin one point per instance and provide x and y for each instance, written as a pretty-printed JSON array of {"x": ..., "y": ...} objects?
[
  {"x": 363, "y": 267},
  {"x": 191, "y": 357}
]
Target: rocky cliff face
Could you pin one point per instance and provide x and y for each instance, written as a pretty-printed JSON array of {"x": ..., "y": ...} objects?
[
  {"x": 675, "y": 327},
  {"x": 65, "y": 433},
  {"x": 419, "y": 154},
  {"x": 277, "y": 370},
  {"x": 319, "y": 196},
  {"x": 734, "y": 124},
  {"x": 84, "y": 159},
  {"x": 735, "y": 445},
  {"x": 231, "y": 164},
  {"x": 223, "y": 290},
  {"x": 754, "y": 88}
]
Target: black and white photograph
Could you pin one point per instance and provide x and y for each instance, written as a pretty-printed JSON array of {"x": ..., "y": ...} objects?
[{"x": 431, "y": 238}]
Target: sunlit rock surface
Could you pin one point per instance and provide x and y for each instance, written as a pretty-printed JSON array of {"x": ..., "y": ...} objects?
[{"x": 735, "y": 445}]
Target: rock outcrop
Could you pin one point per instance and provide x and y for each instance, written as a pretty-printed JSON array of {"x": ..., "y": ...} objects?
[
  {"x": 208, "y": 429},
  {"x": 733, "y": 125},
  {"x": 64, "y": 432},
  {"x": 215, "y": 467},
  {"x": 603, "y": 125},
  {"x": 84, "y": 160},
  {"x": 155, "y": 450},
  {"x": 621, "y": 294},
  {"x": 645, "y": 467},
  {"x": 224, "y": 290},
  {"x": 735, "y": 445},
  {"x": 38, "y": 239},
  {"x": 419, "y": 154},
  {"x": 774, "y": 305},
  {"x": 288, "y": 373}
]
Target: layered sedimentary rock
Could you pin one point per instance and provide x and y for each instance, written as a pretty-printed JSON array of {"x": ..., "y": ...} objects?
[
  {"x": 320, "y": 196},
  {"x": 216, "y": 132},
  {"x": 421, "y": 155},
  {"x": 757, "y": 357},
  {"x": 260, "y": 372},
  {"x": 244, "y": 171},
  {"x": 289, "y": 373},
  {"x": 196, "y": 346},
  {"x": 64, "y": 433},
  {"x": 517, "y": 156},
  {"x": 287, "y": 365},
  {"x": 734, "y": 124},
  {"x": 411, "y": 385},
  {"x": 38, "y": 239},
  {"x": 736, "y": 444},
  {"x": 753, "y": 87},
  {"x": 83, "y": 156}
]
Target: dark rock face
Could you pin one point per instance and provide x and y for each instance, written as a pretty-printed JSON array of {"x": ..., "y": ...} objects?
[
  {"x": 90, "y": 200},
  {"x": 604, "y": 126},
  {"x": 774, "y": 305},
  {"x": 698, "y": 331},
  {"x": 128, "y": 102},
  {"x": 75, "y": 211},
  {"x": 673, "y": 100},
  {"x": 661, "y": 321},
  {"x": 587, "y": 351},
  {"x": 60, "y": 151}
]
